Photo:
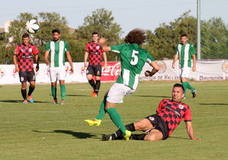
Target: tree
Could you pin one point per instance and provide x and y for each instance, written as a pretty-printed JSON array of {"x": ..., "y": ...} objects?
[
  {"x": 214, "y": 39},
  {"x": 101, "y": 21},
  {"x": 162, "y": 42}
]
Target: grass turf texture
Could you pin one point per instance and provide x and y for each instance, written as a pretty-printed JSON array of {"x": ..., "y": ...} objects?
[{"x": 46, "y": 131}]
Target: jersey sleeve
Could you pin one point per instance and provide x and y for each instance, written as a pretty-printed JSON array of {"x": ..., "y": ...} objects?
[
  {"x": 150, "y": 58},
  {"x": 159, "y": 106},
  {"x": 48, "y": 46},
  {"x": 67, "y": 47},
  {"x": 35, "y": 50},
  {"x": 117, "y": 49},
  {"x": 192, "y": 49},
  {"x": 16, "y": 51},
  {"x": 188, "y": 115}
]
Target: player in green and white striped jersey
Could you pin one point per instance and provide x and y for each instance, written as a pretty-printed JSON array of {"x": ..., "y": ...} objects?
[
  {"x": 186, "y": 54},
  {"x": 58, "y": 50},
  {"x": 132, "y": 58}
]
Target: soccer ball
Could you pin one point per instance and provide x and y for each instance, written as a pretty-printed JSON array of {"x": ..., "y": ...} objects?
[{"x": 32, "y": 26}]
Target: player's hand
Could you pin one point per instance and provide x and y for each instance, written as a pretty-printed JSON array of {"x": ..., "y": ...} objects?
[
  {"x": 16, "y": 69},
  {"x": 72, "y": 70},
  {"x": 193, "y": 68},
  {"x": 105, "y": 65},
  {"x": 173, "y": 66},
  {"x": 102, "y": 41},
  {"x": 195, "y": 139},
  {"x": 37, "y": 68},
  {"x": 147, "y": 73}
]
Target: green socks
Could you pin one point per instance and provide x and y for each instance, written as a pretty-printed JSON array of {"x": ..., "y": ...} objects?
[
  {"x": 62, "y": 91},
  {"x": 186, "y": 86},
  {"x": 53, "y": 91},
  {"x": 116, "y": 119}
]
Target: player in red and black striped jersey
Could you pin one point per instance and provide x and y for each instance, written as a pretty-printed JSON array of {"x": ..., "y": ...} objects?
[
  {"x": 169, "y": 114},
  {"x": 24, "y": 57},
  {"x": 95, "y": 54}
]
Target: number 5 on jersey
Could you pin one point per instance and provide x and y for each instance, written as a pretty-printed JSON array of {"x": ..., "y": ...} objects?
[{"x": 135, "y": 57}]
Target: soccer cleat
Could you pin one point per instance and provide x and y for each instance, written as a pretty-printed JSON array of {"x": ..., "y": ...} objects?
[
  {"x": 194, "y": 94},
  {"x": 93, "y": 94},
  {"x": 30, "y": 99},
  {"x": 25, "y": 101},
  {"x": 55, "y": 101},
  {"x": 95, "y": 122},
  {"x": 106, "y": 137},
  {"x": 62, "y": 102},
  {"x": 127, "y": 135}
]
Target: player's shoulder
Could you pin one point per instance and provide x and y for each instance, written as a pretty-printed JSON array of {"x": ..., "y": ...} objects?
[{"x": 165, "y": 100}]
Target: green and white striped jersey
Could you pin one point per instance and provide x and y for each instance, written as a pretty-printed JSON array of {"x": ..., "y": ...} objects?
[
  {"x": 58, "y": 51},
  {"x": 132, "y": 59},
  {"x": 185, "y": 53}
]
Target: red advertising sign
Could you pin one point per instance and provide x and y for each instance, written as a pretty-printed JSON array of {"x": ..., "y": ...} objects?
[{"x": 111, "y": 72}]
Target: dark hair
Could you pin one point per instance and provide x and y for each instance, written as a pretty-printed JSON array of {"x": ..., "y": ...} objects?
[
  {"x": 184, "y": 35},
  {"x": 179, "y": 85},
  {"x": 56, "y": 31},
  {"x": 95, "y": 33},
  {"x": 25, "y": 35},
  {"x": 137, "y": 36}
]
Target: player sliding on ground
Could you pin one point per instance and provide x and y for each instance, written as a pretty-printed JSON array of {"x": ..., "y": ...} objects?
[
  {"x": 132, "y": 58},
  {"x": 160, "y": 126},
  {"x": 23, "y": 58},
  {"x": 186, "y": 54},
  {"x": 58, "y": 50}
]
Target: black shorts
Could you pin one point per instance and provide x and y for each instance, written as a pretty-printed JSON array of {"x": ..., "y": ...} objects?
[
  {"x": 27, "y": 76},
  {"x": 159, "y": 124},
  {"x": 94, "y": 70}
]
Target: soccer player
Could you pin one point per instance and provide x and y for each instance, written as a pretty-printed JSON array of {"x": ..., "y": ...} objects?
[
  {"x": 58, "y": 50},
  {"x": 159, "y": 126},
  {"x": 24, "y": 57},
  {"x": 95, "y": 54},
  {"x": 132, "y": 58},
  {"x": 186, "y": 54}
]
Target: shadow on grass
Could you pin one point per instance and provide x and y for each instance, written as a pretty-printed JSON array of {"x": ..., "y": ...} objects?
[
  {"x": 80, "y": 135},
  {"x": 179, "y": 137},
  {"x": 214, "y": 104},
  {"x": 152, "y": 96},
  {"x": 20, "y": 101},
  {"x": 77, "y": 95}
]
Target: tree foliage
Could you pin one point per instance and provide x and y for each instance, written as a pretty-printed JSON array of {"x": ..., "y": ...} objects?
[{"x": 161, "y": 42}]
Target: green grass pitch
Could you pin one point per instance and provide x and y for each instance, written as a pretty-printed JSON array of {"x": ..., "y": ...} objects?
[{"x": 44, "y": 131}]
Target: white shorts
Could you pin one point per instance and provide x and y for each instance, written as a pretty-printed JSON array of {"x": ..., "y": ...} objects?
[
  {"x": 57, "y": 73},
  {"x": 117, "y": 93},
  {"x": 185, "y": 72}
]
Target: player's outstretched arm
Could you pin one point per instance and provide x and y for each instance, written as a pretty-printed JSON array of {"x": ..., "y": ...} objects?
[
  {"x": 103, "y": 43},
  {"x": 189, "y": 130},
  {"x": 69, "y": 58},
  {"x": 154, "y": 70}
]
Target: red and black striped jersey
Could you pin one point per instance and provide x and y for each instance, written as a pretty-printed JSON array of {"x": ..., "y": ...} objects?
[
  {"x": 173, "y": 113},
  {"x": 95, "y": 53},
  {"x": 25, "y": 56}
]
